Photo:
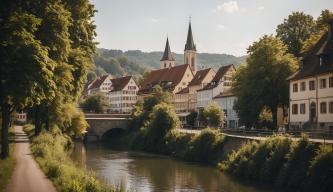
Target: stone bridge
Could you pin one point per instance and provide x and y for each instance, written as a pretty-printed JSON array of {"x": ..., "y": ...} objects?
[{"x": 100, "y": 124}]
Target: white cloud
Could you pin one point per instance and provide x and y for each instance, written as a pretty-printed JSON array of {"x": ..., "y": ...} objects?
[
  {"x": 219, "y": 26},
  {"x": 153, "y": 20},
  {"x": 260, "y": 8},
  {"x": 228, "y": 7}
]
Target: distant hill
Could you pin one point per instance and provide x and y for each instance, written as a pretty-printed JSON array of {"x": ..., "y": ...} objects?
[{"x": 135, "y": 62}]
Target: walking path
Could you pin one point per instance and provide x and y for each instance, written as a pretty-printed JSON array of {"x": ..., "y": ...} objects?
[
  {"x": 327, "y": 141},
  {"x": 27, "y": 176}
]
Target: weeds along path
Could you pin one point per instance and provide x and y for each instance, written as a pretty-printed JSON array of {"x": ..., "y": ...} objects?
[{"x": 27, "y": 175}]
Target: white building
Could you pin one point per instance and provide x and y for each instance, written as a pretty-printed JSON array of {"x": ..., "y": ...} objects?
[
  {"x": 221, "y": 82},
  {"x": 122, "y": 95},
  {"x": 226, "y": 101},
  {"x": 311, "y": 87},
  {"x": 101, "y": 84}
]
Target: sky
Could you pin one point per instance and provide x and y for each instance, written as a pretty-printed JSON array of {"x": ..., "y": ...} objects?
[{"x": 219, "y": 26}]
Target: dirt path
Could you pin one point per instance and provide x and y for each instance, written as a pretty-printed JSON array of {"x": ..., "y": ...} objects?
[{"x": 27, "y": 176}]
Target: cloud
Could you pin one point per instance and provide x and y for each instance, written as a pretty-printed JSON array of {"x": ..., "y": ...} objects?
[
  {"x": 228, "y": 7},
  {"x": 153, "y": 20},
  {"x": 260, "y": 8},
  {"x": 219, "y": 26}
]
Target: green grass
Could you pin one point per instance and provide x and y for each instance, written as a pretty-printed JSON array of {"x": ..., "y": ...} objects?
[
  {"x": 7, "y": 165},
  {"x": 51, "y": 151}
]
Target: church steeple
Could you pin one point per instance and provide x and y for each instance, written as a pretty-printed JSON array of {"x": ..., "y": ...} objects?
[
  {"x": 190, "y": 42},
  {"x": 190, "y": 52},
  {"x": 167, "y": 58}
]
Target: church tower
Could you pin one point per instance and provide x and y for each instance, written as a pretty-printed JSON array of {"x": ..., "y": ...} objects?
[
  {"x": 167, "y": 59},
  {"x": 190, "y": 52}
]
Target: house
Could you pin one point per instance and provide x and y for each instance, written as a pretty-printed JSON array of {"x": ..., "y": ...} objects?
[
  {"x": 122, "y": 95},
  {"x": 311, "y": 87},
  {"x": 220, "y": 83},
  {"x": 101, "y": 84},
  {"x": 226, "y": 101}
]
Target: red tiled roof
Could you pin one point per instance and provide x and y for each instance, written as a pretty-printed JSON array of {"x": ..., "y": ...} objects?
[
  {"x": 167, "y": 78},
  {"x": 120, "y": 83},
  {"x": 218, "y": 76},
  {"x": 199, "y": 77},
  {"x": 98, "y": 82}
]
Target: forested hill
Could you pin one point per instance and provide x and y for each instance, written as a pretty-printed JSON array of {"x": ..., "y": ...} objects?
[{"x": 135, "y": 62}]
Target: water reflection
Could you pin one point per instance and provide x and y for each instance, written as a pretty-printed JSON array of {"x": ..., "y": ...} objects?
[{"x": 145, "y": 172}]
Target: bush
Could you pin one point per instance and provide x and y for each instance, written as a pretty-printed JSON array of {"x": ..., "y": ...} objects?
[
  {"x": 213, "y": 114},
  {"x": 96, "y": 103},
  {"x": 205, "y": 147},
  {"x": 176, "y": 143},
  {"x": 321, "y": 170},
  {"x": 163, "y": 118},
  {"x": 51, "y": 152}
]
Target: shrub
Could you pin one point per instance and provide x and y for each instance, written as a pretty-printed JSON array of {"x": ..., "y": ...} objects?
[
  {"x": 176, "y": 143},
  {"x": 205, "y": 147},
  {"x": 163, "y": 118},
  {"x": 213, "y": 114},
  {"x": 96, "y": 103},
  {"x": 321, "y": 170}
]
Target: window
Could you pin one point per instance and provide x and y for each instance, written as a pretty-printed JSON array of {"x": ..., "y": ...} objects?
[
  {"x": 312, "y": 85},
  {"x": 323, "y": 107},
  {"x": 322, "y": 84},
  {"x": 295, "y": 87},
  {"x": 294, "y": 109},
  {"x": 302, "y": 108},
  {"x": 330, "y": 82},
  {"x": 303, "y": 86},
  {"x": 330, "y": 107},
  {"x": 320, "y": 61}
]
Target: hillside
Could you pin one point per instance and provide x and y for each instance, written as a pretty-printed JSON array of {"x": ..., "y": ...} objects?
[{"x": 135, "y": 62}]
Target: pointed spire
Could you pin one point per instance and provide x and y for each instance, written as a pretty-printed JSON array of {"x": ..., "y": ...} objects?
[
  {"x": 167, "y": 55},
  {"x": 190, "y": 42}
]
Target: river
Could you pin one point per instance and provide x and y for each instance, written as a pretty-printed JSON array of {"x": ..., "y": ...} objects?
[{"x": 143, "y": 172}]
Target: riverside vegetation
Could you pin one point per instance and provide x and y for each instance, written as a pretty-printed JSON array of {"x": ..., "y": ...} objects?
[
  {"x": 279, "y": 160},
  {"x": 51, "y": 150},
  {"x": 7, "y": 165}
]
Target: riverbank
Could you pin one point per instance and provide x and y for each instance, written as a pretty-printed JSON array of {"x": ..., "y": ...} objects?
[
  {"x": 7, "y": 165},
  {"x": 51, "y": 150}
]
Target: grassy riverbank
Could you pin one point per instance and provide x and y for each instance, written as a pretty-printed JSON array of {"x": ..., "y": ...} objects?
[
  {"x": 293, "y": 165},
  {"x": 7, "y": 165},
  {"x": 51, "y": 151}
]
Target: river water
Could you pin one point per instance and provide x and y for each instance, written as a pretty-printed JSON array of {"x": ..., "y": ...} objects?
[{"x": 142, "y": 172}]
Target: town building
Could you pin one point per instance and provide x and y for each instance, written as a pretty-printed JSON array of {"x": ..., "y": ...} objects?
[
  {"x": 122, "y": 95},
  {"x": 99, "y": 85},
  {"x": 311, "y": 87},
  {"x": 220, "y": 83},
  {"x": 226, "y": 101}
]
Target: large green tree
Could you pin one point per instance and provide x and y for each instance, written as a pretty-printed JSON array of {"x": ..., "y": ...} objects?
[
  {"x": 294, "y": 30},
  {"x": 213, "y": 114},
  {"x": 262, "y": 82}
]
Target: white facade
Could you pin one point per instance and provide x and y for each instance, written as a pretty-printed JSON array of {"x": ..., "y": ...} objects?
[
  {"x": 103, "y": 87},
  {"x": 311, "y": 100},
  {"x": 122, "y": 100},
  {"x": 227, "y": 104}
]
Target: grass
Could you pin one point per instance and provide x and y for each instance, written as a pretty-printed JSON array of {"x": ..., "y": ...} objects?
[
  {"x": 51, "y": 151},
  {"x": 7, "y": 165}
]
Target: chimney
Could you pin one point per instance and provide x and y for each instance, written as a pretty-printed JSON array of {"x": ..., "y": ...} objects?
[{"x": 330, "y": 29}]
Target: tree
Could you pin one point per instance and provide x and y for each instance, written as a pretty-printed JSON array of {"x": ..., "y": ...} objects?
[
  {"x": 26, "y": 69},
  {"x": 95, "y": 103},
  {"x": 263, "y": 80},
  {"x": 322, "y": 20},
  {"x": 296, "y": 29},
  {"x": 213, "y": 114}
]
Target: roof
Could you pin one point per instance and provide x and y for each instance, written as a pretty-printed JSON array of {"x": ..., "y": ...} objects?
[
  {"x": 120, "y": 83},
  {"x": 217, "y": 78},
  {"x": 183, "y": 91},
  {"x": 228, "y": 93},
  {"x": 167, "y": 78},
  {"x": 189, "y": 42},
  {"x": 322, "y": 50},
  {"x": 98, "y": 82},
  {"x": 167, "y": 55},
  {"x": 199, "y": 77}
]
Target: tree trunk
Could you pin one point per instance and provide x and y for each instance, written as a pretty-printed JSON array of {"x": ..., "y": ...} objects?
[
  {"x": 38, "y": 121},
  {"x": 4, "y": 130},
  {"x": 274, "y": 115}
]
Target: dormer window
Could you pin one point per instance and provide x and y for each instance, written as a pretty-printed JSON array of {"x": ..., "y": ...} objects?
[{"x": 320, "y": 61}]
